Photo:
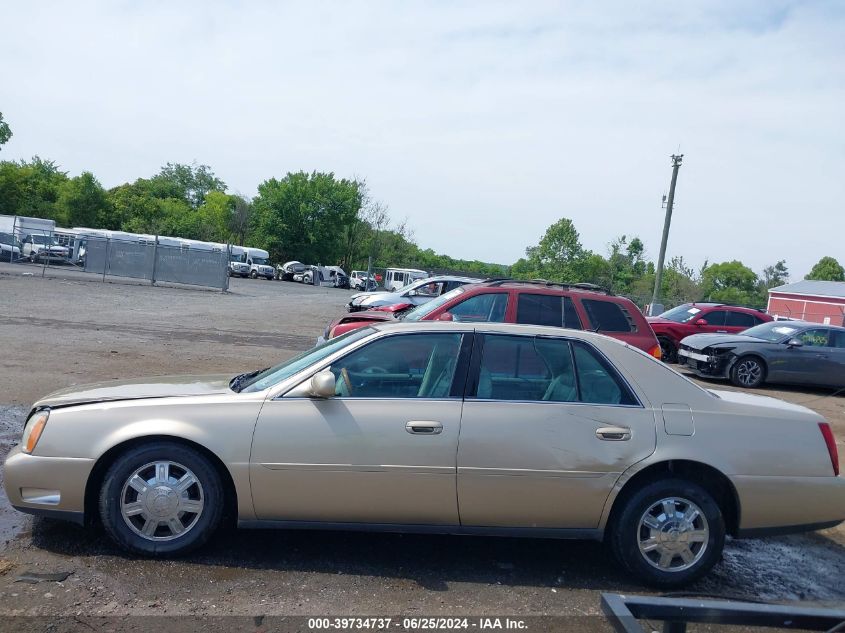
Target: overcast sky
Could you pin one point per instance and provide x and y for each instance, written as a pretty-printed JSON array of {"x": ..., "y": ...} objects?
[{"x": 482, "y": 123}]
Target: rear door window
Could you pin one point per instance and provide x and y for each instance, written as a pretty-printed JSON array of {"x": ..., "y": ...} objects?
[
  {"x": 484, "y": 308},
  {"x": 598, "y": 381},
  {"x": 740, "y": 319},
  {"x": 543, "y": 309},
  {"x": 716, "y": 317},
  {"x": 607, "y": 316}
]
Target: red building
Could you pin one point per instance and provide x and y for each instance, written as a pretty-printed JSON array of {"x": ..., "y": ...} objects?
[{"x": 808, "y": 300}]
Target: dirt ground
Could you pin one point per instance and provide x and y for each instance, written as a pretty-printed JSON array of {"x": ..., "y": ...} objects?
[{"x": 69, "y": 328}]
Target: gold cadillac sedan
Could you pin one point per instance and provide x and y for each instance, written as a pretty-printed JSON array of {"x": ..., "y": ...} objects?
[{"x": 437, "y": 427}]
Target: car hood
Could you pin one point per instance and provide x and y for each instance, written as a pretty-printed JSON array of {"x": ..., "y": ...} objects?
[
  {"x": 378, "y": 298},
  {"x": 367, "y": 315},
  {"x": 156, "y": 387},
  {"x": 740, "y": 397},
  {"x": 700, "y": 341}
]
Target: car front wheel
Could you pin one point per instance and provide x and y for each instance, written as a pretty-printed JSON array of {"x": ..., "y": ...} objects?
[
  {"x": 161, "y": 499},
  {"x": 748, "y": 372},
  {"x": 669, "y": 533}
]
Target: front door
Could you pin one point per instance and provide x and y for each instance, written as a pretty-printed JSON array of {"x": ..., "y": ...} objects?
[
  {"x": 381, "y": 451},
  {"x": 545, "y": 433}
]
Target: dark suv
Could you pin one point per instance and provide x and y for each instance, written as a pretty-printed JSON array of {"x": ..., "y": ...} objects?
[
  {"x": 700, "y": 318},
  {"x": 575, "y": 306}
]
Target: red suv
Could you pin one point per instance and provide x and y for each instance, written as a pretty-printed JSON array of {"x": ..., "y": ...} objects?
[
  {"x": 698, "y": 318},
  {"x": 575, "y": 306}
]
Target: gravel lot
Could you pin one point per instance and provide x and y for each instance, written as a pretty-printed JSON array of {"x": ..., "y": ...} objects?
[{"x": 69, "y": 328}]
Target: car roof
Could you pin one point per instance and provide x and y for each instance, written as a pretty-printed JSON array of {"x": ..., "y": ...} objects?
[
  {"x": 497, "y": 328},
  {"x": 807, "y": 324},
  {"x": 437, "y": 278}
]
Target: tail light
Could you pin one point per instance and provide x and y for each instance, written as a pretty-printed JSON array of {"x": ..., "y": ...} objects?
[
  {"x": 656, "y": 352},
  {"x": 827, "y": 433}
]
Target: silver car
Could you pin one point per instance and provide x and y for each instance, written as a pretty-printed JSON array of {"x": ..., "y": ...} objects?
[{"x": 437, "y": 427}]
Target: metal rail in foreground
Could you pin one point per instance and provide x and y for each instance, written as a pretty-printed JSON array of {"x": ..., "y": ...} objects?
[{"x": 624, "y": 612}]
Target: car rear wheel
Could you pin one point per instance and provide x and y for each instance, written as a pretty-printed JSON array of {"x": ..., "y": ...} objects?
[
  {"x": 748, "y": 372},
  {"x": 669, "y": 533},
  {"x": 161, "y": 499}
]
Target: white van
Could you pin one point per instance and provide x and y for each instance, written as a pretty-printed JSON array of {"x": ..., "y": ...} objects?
[
  {"x": 237, "y": 262},
  {"x": 395, "y": 278},
  {"x": 259, "y": 263}
]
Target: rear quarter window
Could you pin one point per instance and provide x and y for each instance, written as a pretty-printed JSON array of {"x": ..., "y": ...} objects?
[
  {"x": 608, "y": 316},
  {"x": 544, "y": 309}
]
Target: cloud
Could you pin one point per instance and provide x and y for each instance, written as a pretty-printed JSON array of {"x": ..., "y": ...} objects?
[{"x": 482, "y": 123}]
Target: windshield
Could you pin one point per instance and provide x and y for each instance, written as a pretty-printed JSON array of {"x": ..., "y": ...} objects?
[
  {"x": 43, "y": 239},
  {"x": 236, "y": 258},
  {"x": 275, "y": 375},
  {"x": 427, "y": 308},
  {"x": 681, "y": 314},
  {"x": 8, "y": 238},
  {"x": 772, "y": 331},
  {"x": 260, "y": 261}
]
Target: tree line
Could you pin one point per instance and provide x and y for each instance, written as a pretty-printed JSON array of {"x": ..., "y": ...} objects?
[{"x": 319, "y": 218}]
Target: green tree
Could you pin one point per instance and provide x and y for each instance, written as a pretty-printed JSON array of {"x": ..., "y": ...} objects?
[
  {"x": 82, "y": 201},
  {"x": 303, "y": 216},
  {"x": 775, "y": 275},
  {"x": 190, "y": 182},
  {"x": 730, "y": 282},
  {"x": 827, "y": 269},
  {"x": 5, "y": 131},
  {"x": 30, "y": 188}
]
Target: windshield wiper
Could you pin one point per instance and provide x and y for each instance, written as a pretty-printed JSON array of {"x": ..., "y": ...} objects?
[{"x": 237, "y": 381}]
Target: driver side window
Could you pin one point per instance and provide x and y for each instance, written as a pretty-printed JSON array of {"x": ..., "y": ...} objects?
[
  {"x": 814, "y": 338},
  {"x": 400, "y": 366}
]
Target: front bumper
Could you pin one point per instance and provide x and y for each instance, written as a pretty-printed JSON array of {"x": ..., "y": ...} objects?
[
  {"x": 707, "y": 366},
  {"x": 48, "y": 486}
]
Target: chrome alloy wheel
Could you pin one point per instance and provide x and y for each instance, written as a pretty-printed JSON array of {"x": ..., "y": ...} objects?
[
  {"x": 161, "y": 501},
  {"x": 673, "y": 534},
  {"x": 748, "y": 372}
]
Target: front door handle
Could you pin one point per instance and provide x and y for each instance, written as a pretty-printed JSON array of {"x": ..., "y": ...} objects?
[
  {"x": 424, "y": 427},
  {"x": 614, "y": 433}
]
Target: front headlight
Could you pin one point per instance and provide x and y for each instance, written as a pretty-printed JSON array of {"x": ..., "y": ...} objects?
[{"x": 33, "y": 429}]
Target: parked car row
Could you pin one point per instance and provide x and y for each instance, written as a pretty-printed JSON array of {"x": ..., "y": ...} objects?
[{"x": 714, "y": 340}]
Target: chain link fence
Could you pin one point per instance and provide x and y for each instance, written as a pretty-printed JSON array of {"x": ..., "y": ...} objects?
[{"x": 151, "y": 259}]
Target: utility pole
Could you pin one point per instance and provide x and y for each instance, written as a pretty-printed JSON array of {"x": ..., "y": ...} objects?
[{"x": 658, "y": 278}]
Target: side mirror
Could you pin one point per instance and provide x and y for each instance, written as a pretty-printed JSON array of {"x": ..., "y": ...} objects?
[
  {"x": 323, "y": 384},
  {"x": 701, "y": 322},
  {"x": 413, "y": 293},
  {"x": 446, "y": 316},
  {"x": 795, "y": 342}
]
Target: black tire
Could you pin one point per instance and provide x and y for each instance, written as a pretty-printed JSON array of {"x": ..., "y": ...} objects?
[
  {"x": 668, "y": 349},
  {"x": 748, "y": 372},
  {"x": 205, "y": 523},
  {"x": 253, "y": 275},
  {"x": 627, "y": 530}
]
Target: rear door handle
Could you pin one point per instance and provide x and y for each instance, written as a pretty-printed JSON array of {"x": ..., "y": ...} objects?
[
  {"x": 424, "y": 427},
  {"x": 614, "y": 433}
]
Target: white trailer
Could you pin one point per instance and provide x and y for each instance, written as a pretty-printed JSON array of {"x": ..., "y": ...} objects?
[{"x": 20, "y": 226}]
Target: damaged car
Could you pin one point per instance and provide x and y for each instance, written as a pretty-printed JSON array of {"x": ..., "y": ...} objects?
[{"x": 793, "y": 352}]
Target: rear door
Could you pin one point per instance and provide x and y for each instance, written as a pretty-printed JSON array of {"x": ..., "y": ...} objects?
[
  {"x": 836, "y": 358},
  {"x": 736, "y": 322},
  {"x": 548, "y": 426},
  {"x": 715, "y": 322}
]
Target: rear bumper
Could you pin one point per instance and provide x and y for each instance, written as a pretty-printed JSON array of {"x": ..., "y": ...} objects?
[
  {"x": 47, "y": 486},
  {"x": 781, "y": 505}
]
